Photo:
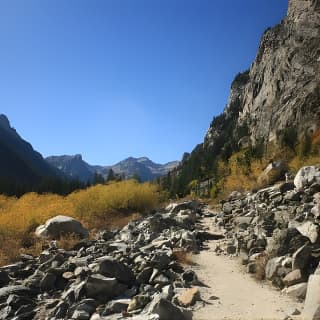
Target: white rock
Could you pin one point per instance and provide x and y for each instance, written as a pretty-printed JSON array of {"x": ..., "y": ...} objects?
[
  {"x": 306, "y": 176},
  {"x": 59, "y": 225},
  {"x": 309, "y": 230}
]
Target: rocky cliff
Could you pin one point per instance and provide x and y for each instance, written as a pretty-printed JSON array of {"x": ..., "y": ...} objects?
[
  {"x": 278, "y": 96},
  {"x": 282, "y": 87}
]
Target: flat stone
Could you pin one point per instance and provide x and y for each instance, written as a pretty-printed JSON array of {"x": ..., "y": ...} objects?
[{"x": 188, "y": 297}]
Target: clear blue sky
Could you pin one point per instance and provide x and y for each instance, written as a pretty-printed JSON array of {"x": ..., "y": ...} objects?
[{"x": 116, "y": 78}]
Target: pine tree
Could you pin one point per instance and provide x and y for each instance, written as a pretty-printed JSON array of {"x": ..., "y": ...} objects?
[{"x": 111, "y": 176}]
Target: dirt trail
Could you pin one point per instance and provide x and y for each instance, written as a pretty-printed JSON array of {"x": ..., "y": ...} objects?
[{"x": 239, "y": 295}]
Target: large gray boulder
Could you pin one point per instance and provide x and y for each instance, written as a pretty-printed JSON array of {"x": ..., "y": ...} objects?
[
  {"x": 60, "y": 225},
  {"x": 165, "y": 309},
  {"x": 112, "y": 268},
  {"x": 311, "y": 309},
  {"x": 272, "y": 173},
  {"x": 306, "y": 176},
  {"x": 102, "y": 288},
  {"x": 297, "y": 291}
]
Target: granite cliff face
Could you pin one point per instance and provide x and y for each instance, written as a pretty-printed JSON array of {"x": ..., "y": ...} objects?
[
  {"x": 277, "y": 97},
  {"x": 282, "y": 87}
]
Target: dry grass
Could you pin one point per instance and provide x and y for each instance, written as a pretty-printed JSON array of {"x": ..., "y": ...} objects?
[
  {"x": 183, "y": 257},
  {"x": 100, "y": 207},
  {"x": 241, "y": 173}
]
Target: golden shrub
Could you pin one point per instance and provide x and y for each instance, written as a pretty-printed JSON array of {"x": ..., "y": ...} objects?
[{"x": 112, "y": 205}]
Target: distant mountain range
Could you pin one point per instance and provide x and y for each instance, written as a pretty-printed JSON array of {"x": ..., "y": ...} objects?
[
  {"x": 144, "y": 168},
  {"x": 24, "y": 169},
  {"x": 19, "y": 162}
]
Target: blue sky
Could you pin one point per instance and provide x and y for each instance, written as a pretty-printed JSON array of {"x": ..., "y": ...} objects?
[{"x": 116, "y": 78}]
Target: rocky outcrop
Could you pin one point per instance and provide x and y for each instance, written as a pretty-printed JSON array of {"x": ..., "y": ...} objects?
[
  {"x": 282, "y": 88},
  {"x": 124, "y": 273},
  {"x": 275, "y": 102}
]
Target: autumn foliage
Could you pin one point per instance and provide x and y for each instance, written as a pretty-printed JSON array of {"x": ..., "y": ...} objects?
[{"x": 101, "y": 206}]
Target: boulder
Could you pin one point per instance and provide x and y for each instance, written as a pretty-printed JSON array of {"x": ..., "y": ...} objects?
[
  {"x": 311, "y": 309},
  {"x": 112, "y": 268},
  {"x": 102, "y": 288},
  {"x": 309, "y": 230},
  {"x": 272, "y": 173},
  {"x": 272, "y": 267},
  {"x": 188, "y": 297},
  {"x": 165, "y": 309},
  {"x": 293, "y": 277},
  {"x": 301, "y": 257},
  {"x": 306, "y": 176},
  {"x": 56, "y": 227},
  {"x": 297, "y": 291}
]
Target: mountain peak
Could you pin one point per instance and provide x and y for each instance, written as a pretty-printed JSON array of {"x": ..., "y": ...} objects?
[
  {"x": 77, "y": 157},
  {"x": 4, "y": 122},
  {"x": 143, "y": 159}
]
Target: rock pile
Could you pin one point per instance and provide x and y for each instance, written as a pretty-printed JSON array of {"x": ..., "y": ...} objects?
[
  {"x": 129, "y": 272},
  {"x": 276, "y": 232}
]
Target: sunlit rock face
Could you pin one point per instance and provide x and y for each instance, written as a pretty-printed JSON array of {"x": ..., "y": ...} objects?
[{"x": 282, "y": 87}]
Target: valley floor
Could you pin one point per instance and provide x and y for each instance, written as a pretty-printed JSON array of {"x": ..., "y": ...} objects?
[{"x": 235, "y": 294}]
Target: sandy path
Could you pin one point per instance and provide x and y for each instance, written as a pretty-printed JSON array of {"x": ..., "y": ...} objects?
[{"x": 240, "y": 296}]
